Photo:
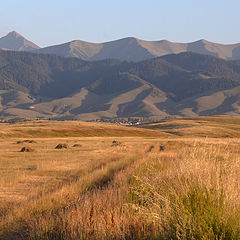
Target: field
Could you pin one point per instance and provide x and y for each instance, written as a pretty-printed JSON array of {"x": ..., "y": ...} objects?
[{"x": 175, "y": 179}]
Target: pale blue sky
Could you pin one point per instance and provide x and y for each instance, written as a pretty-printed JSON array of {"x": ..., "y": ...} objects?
[{"x": 49, "y": 22}]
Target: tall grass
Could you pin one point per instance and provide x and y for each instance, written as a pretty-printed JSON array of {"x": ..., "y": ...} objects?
[
  {"x": 189, "y": 191},
  {"x": 196, "y": 197}
]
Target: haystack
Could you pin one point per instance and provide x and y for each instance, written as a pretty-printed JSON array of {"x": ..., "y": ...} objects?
[
  {"x": 61, "y": 146},
  {"x": 26, "y": 149}
]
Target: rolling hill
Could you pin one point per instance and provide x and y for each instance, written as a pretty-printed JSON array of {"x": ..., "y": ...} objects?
[{"x": 49, "y": 86}]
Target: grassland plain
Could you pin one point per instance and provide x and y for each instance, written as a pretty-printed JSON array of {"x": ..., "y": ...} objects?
[{"x": 116, "y": 182}]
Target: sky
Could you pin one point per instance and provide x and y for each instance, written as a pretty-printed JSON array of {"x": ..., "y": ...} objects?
[{"x": 50, "y": 22}]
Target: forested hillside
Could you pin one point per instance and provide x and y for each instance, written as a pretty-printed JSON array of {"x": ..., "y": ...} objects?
[{"x": 49, "y": 86}]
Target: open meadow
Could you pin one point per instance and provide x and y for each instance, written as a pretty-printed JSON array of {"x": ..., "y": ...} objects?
[{"x": 175, "y": 179}]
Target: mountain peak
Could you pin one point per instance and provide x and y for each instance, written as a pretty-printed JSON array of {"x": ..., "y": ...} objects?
[
  {"x": 16, "y": 42},
  {"x": 14, "y": 34},
  {"x": 204, "y": 41}
]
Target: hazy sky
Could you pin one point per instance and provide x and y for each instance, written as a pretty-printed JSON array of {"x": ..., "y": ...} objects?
[{"x": 49, "y": 22}]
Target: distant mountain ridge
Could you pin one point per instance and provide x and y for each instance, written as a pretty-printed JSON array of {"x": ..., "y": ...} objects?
[
  {"x": 49, "y": 86},
  {"x": 126, "y": 49},
  {"x": 133, "y": 49}
]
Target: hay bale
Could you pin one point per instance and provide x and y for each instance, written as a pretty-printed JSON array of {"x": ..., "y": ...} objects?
[
  {"x": 61, "y": 146},
  {"x": 150, "y": 148},
  {"x": 161, "y": 148},
  {"x": 115, "y": 143},
  {"x": 77, "y": 145},
  {"x": 26, "y": 149}
]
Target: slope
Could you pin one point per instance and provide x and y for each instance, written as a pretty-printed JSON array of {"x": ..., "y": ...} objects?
[{"x": 49, "y": 86}]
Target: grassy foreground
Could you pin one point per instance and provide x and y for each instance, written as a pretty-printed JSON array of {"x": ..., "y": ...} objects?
[{"x": 131, "y": 188}]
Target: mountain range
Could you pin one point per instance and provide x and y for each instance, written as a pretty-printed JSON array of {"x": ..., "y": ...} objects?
[
  {"x": 126, "y": 49},
  {"x": 50, "y": 86}
]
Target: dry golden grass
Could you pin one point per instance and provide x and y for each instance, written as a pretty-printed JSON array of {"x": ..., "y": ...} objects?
[
  {"x": 131, "y": 190},
  {"x": 51, "y": 129},
  {"x": 213, "y": 127}
]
